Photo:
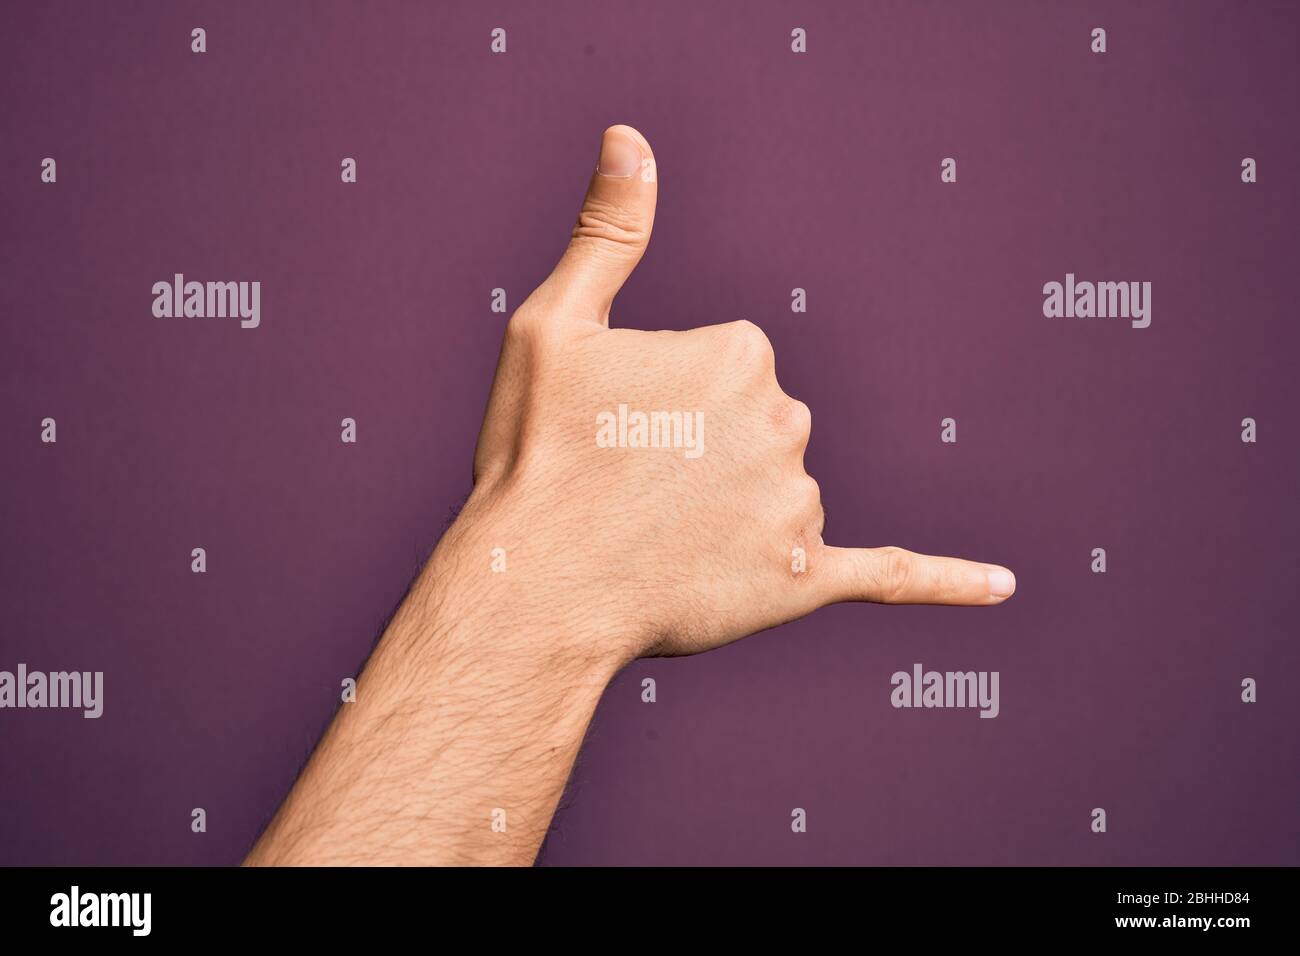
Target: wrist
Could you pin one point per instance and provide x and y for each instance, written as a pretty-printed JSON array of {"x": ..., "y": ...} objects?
[{"x": 495, "y": 587}]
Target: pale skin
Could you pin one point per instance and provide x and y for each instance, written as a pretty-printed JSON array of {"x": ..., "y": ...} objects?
[{"x": 475, "y": 702}]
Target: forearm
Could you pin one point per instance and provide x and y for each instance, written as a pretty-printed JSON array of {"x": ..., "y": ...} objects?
[{"x": 474, "y": 703}]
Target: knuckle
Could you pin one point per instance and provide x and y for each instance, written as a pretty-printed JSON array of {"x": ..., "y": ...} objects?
[
  {"x": 896, "y": 572},
  {"x": 808, "y": 505},
  {"x": 523, "y": 320},
  {"x": 793, "y": 418},
  {"x": 536, "y": 329},
  {"x": 521, "y": 329},
  {"x": 526, "y": 329},
  {"x": 611, "y": 223},
  {"x": 810, "y": 493},
  {"x": 751, "y": 341},
  {"x": 530, "y": 313}
]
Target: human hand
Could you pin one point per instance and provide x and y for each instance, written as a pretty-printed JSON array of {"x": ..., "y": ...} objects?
[{"x": 712, "y": 535}]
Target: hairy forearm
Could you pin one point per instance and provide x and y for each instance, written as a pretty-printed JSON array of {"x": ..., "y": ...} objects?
[{"x": 467, "y": 720}]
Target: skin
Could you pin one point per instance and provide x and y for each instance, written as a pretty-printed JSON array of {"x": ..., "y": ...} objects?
[{"x": 480, "y": 691}]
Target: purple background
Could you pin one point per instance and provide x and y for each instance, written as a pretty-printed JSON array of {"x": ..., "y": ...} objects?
[{"x": 776, "y": 170}]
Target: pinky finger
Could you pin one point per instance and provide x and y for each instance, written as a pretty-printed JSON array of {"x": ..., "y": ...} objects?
[{"x": 896, "y": 576}]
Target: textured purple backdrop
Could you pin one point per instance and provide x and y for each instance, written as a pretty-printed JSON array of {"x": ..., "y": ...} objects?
[{"x": 821, "y": 170}]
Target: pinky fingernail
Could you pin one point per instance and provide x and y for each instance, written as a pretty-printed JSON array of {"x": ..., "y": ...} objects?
[{"x": 1002, "y": 583}]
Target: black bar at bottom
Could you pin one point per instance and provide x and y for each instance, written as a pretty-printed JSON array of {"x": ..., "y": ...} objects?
[{"x": 444, "y": 905}]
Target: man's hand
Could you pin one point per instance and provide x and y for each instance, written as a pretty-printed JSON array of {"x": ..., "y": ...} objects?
[
  {"x": 714, "y": 547},
  {"x": 593, "y": 536}
]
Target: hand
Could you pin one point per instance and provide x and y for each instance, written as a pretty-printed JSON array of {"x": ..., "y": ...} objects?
[
  {"x": 580, "y": 549},
  {"x": 675, "y": 549}
]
